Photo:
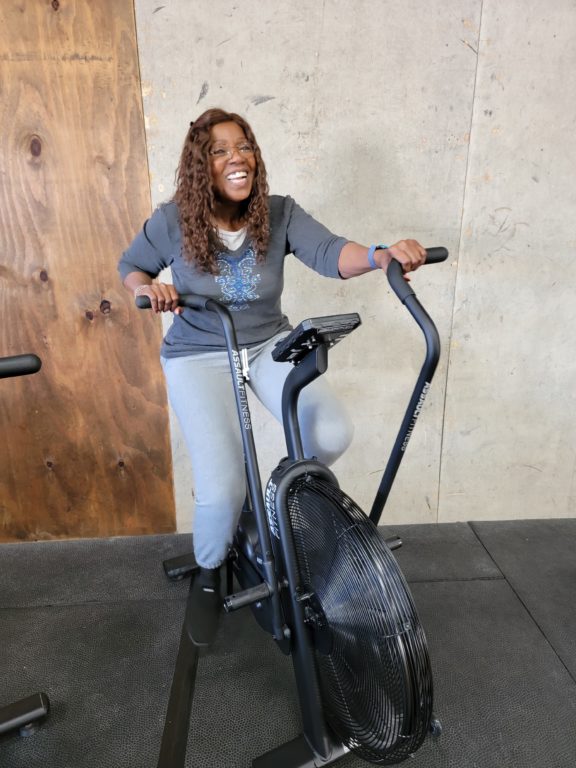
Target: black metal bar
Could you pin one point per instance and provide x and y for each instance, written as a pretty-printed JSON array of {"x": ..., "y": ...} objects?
[
  {"x": 177, "y": 724},
  {"x": 252, "y": 470},
  {"x": 27, "y": 713},
  {"x": 24, "y": 714},
  {"x": 414, "y": 407},
  {"x": 310, "y": 699},
  {"x": 194, "y": 301},
  {"x": 177, "y": 568},
  {"x": 297, "y": 754},
  {"x": 19, "y": 365},
  {"x": 393, "y": 542},
  {"x": 247, "y": 597},
  {"x": 312, "y": 366},
  {"x": 406, "y": 294}
]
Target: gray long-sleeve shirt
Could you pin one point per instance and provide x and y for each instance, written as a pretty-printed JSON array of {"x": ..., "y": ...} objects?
[{"x": 251, "y": 290}]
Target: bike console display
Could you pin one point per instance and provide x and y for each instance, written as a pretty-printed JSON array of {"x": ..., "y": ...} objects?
[{"x": 313, "y": 332}]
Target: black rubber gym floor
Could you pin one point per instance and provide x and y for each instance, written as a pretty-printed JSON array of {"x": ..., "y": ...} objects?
[{"x": 96, "y": 626}]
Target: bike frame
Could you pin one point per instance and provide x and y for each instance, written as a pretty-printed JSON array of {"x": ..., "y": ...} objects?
[{"x": 279, "y": 593}]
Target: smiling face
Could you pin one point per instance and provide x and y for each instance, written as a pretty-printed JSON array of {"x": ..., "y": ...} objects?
[{"x": 232, "y": 163}]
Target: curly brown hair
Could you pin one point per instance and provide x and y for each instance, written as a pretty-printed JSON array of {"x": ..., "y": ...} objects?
[{"x": 194, "y": 194}]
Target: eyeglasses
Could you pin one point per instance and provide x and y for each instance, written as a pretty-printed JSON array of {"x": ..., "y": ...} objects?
[{"x": 219, "y": 153}]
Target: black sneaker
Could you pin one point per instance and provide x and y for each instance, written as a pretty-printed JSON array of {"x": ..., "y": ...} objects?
[{"x": 204, "y": 607}]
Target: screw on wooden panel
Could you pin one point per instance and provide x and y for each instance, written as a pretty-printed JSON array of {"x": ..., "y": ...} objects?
[
  {"x": 43, "y": 276},
  {"x": 105, "y": 307},
  {"x": 121, "y": 464},
  {"x": 49, "y": 464},
  {"x": 89, "y": 314}
]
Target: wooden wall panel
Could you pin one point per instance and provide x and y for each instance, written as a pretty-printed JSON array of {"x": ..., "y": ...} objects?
[{"x": 84, "y": 446}]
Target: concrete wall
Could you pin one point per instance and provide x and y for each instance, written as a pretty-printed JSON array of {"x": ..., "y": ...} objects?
[
  {"x": 510, "y": 426},
  {"x": 449, "y": 121}
]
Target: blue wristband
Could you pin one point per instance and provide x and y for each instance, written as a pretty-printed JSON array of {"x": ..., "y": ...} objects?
[{"x": 371, "y": 251}]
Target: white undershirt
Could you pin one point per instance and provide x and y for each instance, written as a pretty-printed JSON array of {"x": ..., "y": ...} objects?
[{"x": 232, "y": 240}]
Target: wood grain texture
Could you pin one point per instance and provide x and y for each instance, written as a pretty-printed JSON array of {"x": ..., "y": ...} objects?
[{"x": 84, "y": 448}]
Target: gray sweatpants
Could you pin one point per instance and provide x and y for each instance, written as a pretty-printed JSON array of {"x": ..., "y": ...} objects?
[{"x": 201, "y": 394}]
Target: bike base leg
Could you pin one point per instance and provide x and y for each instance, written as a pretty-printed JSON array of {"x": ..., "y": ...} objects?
[
  {"x": 297, "y": 754},
  {"x": 24, "y": 715},
  {"x": 178, "y": 568}
]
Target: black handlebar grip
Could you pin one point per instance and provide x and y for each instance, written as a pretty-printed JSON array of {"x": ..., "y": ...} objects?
[
  {"x": 395, "y": 273},
  {"x": 436, "y": 255},
  {"x": 190, "y": 300},
  {"x": 143, "y": 302},
  {"x": 19, "y": 365}
]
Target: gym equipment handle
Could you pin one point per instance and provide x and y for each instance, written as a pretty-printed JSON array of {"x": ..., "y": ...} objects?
[
  {"x": 19, "y": 365},
  {"x": 407, "y": 296},
  {"x": 190, "y": 300},
  {"x": 395, "y": 275},
  {"x": 436, "y": 255}
]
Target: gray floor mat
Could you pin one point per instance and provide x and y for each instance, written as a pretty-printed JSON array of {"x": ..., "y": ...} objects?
[
  {"x": 106, "y": 669},
  {"x": 504, "y": 698},
  {"x": 89, "y": 570},
  {"x": 441, "y": 552},
  {"x": 502, "y": 694},
  {"x": 538, "y": 558}
]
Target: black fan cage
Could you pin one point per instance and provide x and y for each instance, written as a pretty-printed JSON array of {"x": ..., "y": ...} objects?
[{"x": 370, "y": 648}]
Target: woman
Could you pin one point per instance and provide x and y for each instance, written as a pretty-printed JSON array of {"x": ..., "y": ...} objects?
[{"x": 223, "y": 236}]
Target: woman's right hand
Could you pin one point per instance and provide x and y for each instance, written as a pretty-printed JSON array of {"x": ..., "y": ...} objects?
[{"x": 163, "y": 297}]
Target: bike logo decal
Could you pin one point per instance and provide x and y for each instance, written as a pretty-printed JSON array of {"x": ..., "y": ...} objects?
[
  {"x": 270, "y": 502},
  {"x": 239, "y": 377},
  {"x": 415, "y": 415}
]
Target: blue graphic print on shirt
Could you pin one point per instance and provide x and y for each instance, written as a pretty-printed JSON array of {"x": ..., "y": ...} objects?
[{"x": 237, "y": 279}]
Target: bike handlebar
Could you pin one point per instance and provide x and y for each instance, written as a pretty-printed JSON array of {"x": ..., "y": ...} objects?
[
  {"x": 407, "y": 296},
  {"x": 395, "y": 274},
  {"x": 189, "y": 300},
  {"x": 19, "y": 365},
  {"x": 404, "y": 291},
  {"x": 436, "y": 255}
]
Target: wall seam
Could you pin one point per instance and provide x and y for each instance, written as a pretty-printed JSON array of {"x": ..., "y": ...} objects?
[
  {"x": 454, "y": 292},
  {"x": 142, "y": 100}
]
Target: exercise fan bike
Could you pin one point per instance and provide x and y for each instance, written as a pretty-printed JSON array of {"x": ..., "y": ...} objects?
[
  {"x": 318, "y": 575},
  {"x": 26, "y": 714}
]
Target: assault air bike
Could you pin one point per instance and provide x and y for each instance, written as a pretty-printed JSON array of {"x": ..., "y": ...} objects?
[
  {"x": 318, "y": 575},
  {"x": 23, "y": 715}
]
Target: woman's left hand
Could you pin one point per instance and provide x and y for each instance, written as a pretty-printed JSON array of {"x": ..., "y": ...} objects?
[{"x": 409, "y": 253}]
